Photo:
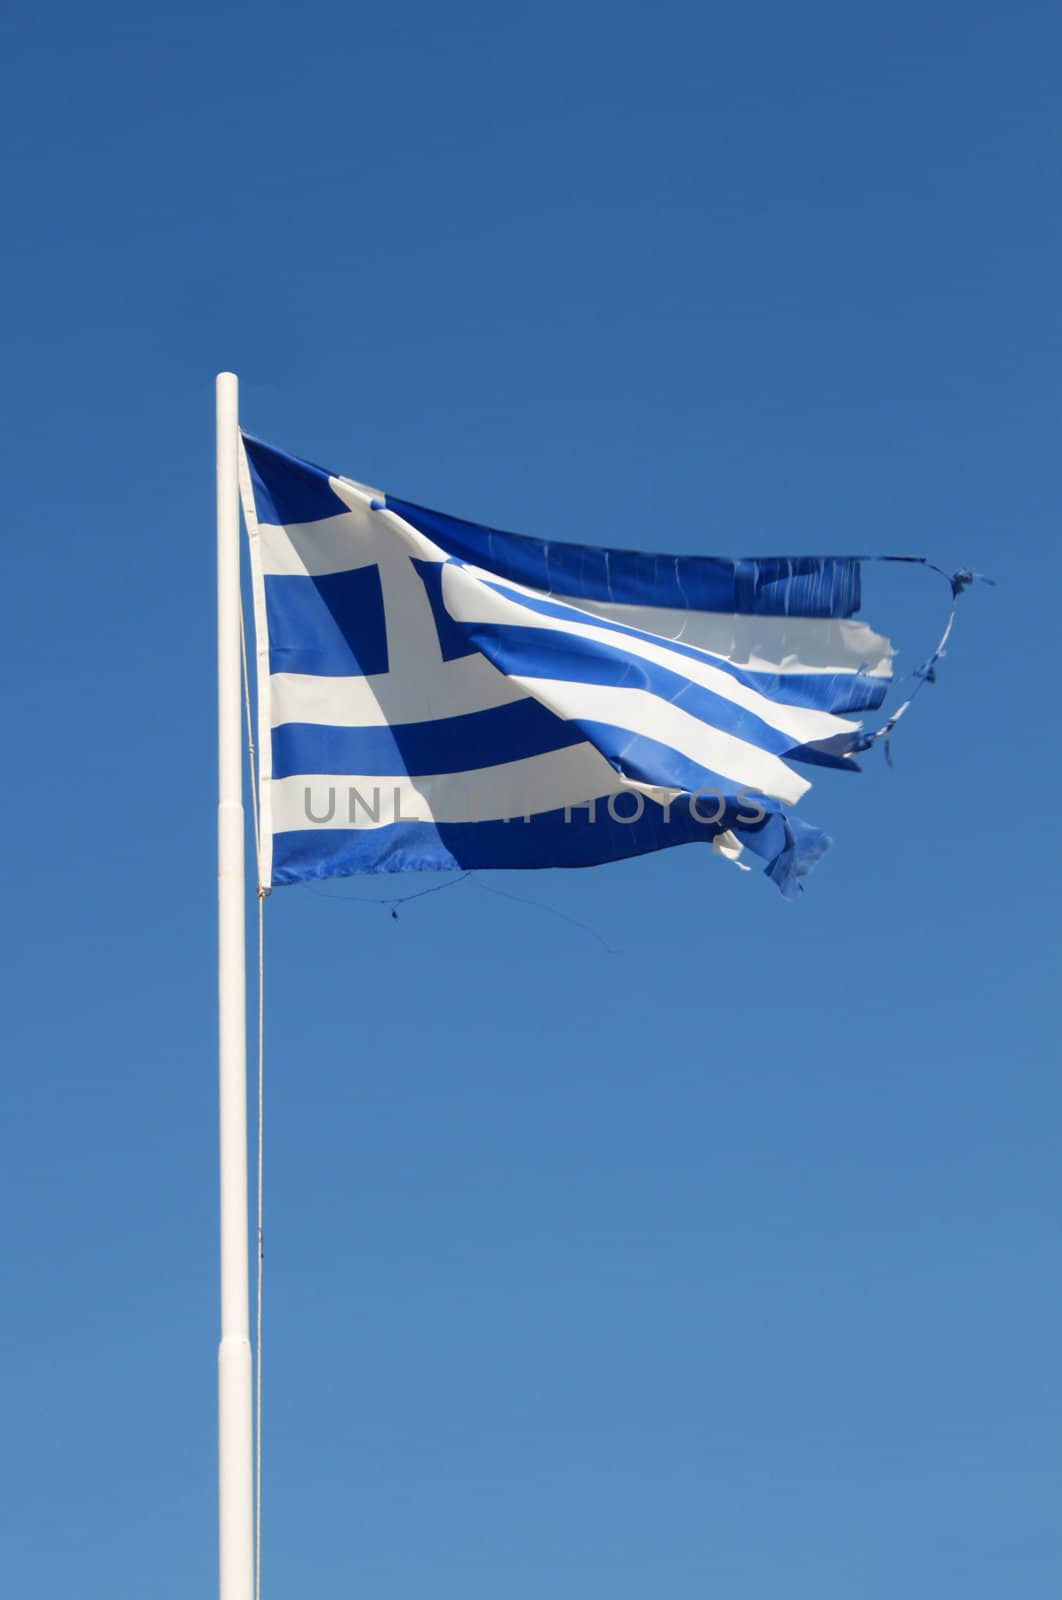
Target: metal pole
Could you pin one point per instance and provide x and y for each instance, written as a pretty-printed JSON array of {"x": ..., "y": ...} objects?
[{"x": 235, "y": 1444}]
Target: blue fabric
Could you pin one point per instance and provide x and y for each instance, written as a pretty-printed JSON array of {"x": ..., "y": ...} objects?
[
  {"x": 333, "y": 626},
  {"x": 776, "y": 586},
  {"x": 548, "y": 840},
  {"x": 449, "y": 744},
  {"x": 286, "y": 489}
]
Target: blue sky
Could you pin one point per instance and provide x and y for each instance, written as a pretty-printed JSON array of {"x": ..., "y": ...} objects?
[{"x": 644, "y": 1235}]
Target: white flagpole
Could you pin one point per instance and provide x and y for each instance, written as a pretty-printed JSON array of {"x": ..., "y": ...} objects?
[{"x": 235, "y": 1443}]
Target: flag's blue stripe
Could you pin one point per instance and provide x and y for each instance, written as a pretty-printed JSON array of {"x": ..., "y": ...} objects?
[
  {"x": 420, "y": 749},
  {"x": 286, "y": 489},
  {"x": 331, "y": 626},
  {"x": 825, "y": 691},
  {"x": 645, "y": 760},
  {"x": 548, "y": 840},
  {"x": 776, "y": 586},
  {"x": 547, "y": 653},
  {"x": 839, "y": 692},
  {"x": 790, "y": 847}
]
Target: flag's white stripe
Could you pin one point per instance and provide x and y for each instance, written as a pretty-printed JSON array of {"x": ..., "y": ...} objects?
[
  {"x": 316, "y": 549},
  {"x": 643, "y": 714},
  {"x": 760, "y": 644},
  {"x": 468, "y": 599},
  {"x": 514, "y": 789},
  {"x": 454, "y": 688}
]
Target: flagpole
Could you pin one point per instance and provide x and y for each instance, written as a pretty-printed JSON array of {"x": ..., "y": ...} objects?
[{"x": 235, "y": 1443}]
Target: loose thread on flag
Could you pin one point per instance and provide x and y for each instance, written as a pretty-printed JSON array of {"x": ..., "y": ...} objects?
[
  {"x": 390, "y": 899},
  {"x": 927, "y": 672},
  {"x": 394, "y": 901},
  {"x": 525, "y": 900}
]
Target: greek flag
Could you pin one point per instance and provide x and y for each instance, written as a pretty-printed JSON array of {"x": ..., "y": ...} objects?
[{"x": 437, "y": 694}]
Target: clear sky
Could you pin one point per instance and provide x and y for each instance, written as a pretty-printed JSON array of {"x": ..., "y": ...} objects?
[{"x": 652, "y": 1237}]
